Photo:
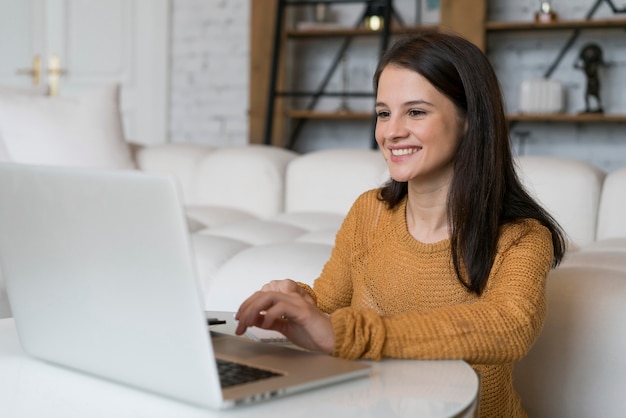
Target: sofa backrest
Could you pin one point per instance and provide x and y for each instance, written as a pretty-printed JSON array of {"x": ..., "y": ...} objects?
[
  {"x": 611, "y": 219},
  {"x": 569, "y": 190},
  {"x": 248, "y": 178},
  {"x": 331, "y": 180}
]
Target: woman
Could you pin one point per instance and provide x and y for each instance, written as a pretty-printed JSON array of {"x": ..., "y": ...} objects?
[{"x": 449, "y": 259}]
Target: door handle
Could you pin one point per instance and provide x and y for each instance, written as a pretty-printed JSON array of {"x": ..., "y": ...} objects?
[
  {"x": 54, "y": 74},
  {"x": 34, "y": 71}
]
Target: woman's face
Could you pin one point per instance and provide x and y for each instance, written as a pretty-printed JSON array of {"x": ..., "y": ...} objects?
[{"x": 418, "y": 129}]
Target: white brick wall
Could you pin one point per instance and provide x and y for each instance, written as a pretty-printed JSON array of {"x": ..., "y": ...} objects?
[
  {"x": 209, "y": 74},
  {"x": 209, "y": 83}
]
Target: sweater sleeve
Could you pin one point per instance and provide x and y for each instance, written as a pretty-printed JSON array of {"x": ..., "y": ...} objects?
[
  {"x": 333, "y": 288},
  {"x": 497, "y": 327}
]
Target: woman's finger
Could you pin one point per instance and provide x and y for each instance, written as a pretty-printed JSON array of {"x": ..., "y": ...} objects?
[
  {"x": 253, "y": 311},
  {"x": 268, "y": 310}
]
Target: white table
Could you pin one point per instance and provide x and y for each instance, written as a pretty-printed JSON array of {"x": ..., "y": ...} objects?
[{"x": 396, "y": 388}]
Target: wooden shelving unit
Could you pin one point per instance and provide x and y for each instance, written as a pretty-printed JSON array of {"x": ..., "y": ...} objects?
[{"x": 465, "y": 18}]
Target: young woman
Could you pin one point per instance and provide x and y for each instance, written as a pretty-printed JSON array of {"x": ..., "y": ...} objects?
[{"x": 449, "y": 259}]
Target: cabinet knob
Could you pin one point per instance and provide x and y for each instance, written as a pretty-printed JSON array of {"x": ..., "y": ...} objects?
[
  {"x": 54, "y": 74},
  {"x": 34, "y": 71}
]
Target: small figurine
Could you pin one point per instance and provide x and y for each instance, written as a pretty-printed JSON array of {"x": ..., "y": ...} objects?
[
  {"x": 590, "y": 60},
  {"x": 546, "y": 13}
]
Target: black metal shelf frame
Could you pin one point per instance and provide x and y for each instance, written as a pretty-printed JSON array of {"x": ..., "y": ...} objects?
[{"x": 385, "y": 33}]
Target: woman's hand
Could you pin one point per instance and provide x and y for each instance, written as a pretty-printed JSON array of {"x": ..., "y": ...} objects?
[
  {"x": 287, "y": 286},
  {"x": 285, "y": 309}
]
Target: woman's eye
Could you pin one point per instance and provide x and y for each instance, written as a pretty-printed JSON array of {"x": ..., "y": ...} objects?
[
  {"x": 416, "y": 112},
  {"x": 382, "y": 114}
]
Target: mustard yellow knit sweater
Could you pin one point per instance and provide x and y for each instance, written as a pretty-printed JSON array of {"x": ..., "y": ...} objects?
[{"x": 390, "y": 295}]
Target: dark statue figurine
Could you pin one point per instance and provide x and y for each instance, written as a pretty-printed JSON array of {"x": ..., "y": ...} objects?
[{"x": 590, "y": 60}]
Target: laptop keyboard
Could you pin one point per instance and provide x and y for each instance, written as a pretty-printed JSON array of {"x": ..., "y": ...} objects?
[{"x": 232, "y": 373}]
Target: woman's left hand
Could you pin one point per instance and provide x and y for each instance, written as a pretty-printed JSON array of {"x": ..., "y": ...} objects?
[{"x": 290, "y": 314}]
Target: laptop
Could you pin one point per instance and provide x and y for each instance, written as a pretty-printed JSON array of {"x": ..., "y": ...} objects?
[{"x": 100, "y": 277}]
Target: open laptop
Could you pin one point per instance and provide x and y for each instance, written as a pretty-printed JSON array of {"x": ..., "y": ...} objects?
[{"x": 100, "y": 278}]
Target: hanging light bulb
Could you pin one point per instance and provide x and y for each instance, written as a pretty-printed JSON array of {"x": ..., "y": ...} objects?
[
  {"x": 374, "y": 15},
  {"x": 374, "y": 22}
]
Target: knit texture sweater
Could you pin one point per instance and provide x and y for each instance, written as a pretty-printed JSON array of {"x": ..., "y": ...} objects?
[{"x": 390, "y": 295}]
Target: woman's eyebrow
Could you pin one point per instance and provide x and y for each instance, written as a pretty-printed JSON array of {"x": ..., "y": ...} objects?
[
  {"x": 409, "y": 103},
  {"x": 418, "y": 102}
]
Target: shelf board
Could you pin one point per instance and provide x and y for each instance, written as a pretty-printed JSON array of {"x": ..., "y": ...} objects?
[
  {"x": 557, "y": 25},
  {"x": 567, "y": 117},
  {"x": 340, "y": 32},
  {"x": 341, "y": 115}
]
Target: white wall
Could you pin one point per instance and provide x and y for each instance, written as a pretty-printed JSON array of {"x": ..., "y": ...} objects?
[
  {"x": 210, "y": 48},
  {"x": 209, "y": 74}
]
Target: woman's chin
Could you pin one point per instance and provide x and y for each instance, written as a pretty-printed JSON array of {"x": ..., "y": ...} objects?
[{"x": 400, "y": 179}]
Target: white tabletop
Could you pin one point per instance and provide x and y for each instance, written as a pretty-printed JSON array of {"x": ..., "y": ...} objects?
[{"x": 396, "y": 388}]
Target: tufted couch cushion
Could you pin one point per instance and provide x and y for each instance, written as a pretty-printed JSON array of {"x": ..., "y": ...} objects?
[
  {"x": 570, "y": 190},
  {"x": 255, "y": 266},
  {"x": 249, "y": 179},
  {"x": 331, "y": 180},
  {"x": 577, "y": 367}
]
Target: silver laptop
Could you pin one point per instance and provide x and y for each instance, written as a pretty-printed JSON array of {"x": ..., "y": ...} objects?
[{"x": 100, "y": 279}]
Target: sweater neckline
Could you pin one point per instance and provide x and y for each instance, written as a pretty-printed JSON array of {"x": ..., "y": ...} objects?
[{"x": 402, "y": 232}]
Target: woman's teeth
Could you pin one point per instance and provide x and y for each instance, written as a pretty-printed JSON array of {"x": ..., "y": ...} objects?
[{"x": 403, "y": 151}]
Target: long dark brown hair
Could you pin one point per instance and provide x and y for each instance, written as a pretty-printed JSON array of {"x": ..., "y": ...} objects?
[{"x": 485, "y": 192}]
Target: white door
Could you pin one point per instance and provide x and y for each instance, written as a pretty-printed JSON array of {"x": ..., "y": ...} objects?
[{"x": 96, "y": 42}]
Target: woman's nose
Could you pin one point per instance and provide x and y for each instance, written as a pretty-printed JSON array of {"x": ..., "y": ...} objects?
[{"x": 394, "y": 129}]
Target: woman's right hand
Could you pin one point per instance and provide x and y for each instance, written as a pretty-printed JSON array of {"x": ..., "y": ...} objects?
[
  {"x": 290, "y": 313},
  {"x": 287, "y": 286}
]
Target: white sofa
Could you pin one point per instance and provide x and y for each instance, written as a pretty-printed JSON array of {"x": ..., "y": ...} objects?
[{"x": 258, "y": 213}]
